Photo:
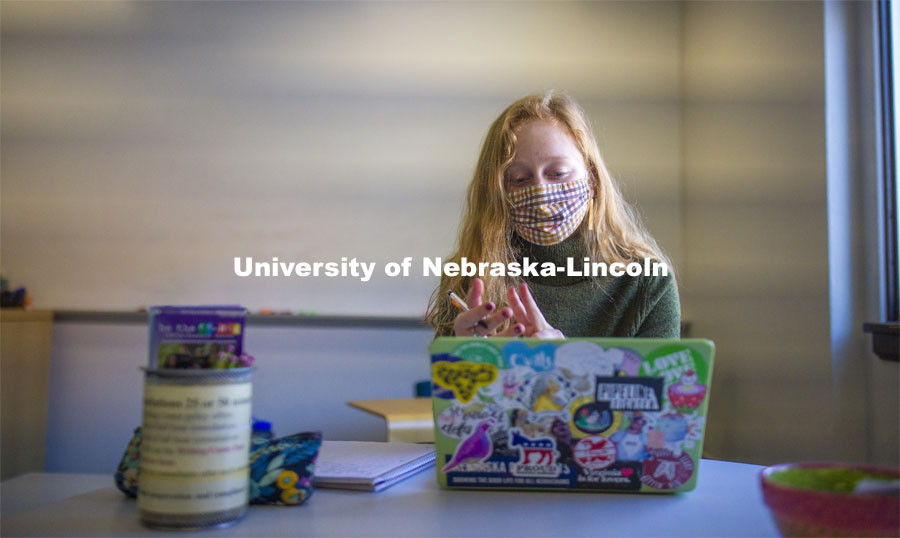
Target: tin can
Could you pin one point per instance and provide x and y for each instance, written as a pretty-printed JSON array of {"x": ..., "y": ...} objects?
[{"x": 194, "y": 470}]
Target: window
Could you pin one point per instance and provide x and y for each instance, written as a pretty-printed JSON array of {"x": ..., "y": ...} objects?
[
  {"x": 885, "y": 335},
  {"x": 891, "y": 95}
]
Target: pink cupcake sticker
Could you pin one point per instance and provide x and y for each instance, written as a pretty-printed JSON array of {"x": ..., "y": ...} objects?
[{"x": 687, "y": 394}]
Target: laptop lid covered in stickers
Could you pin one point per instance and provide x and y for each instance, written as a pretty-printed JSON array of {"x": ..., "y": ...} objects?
[{"x": 586, "y": 414}]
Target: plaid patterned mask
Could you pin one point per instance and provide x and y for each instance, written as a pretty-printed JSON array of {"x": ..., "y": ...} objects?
[{"x": 547, "y": 214}]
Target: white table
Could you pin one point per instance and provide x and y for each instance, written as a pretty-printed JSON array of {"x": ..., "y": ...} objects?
[{"x": 727, "y": 502}]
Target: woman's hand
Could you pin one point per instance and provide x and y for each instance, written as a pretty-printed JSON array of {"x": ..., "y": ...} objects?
[
  {"x": 482, "y": 319},
  {"x": 528, "y": 313}
]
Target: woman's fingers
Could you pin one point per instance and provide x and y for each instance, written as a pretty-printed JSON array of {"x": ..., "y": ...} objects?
[
  {"x": 473, "y": 322},
  {"x": 484, "y": 320},
  {"x": 516, "y": 329},
  {"x": 495, "y": 320},
  {"x": 518, "y": 308},
  {"x": 473, "y": 298},
  {"x": 549, "y": 334},
  {"x": 467, "y": 322},
  {"x": 531, "y": 307},
  {"x": 528, "y": 312}
]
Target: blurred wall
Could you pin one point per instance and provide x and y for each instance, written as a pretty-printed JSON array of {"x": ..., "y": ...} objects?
[
  {"x": 307, "y": 378},
  {"x": 755, "y": 235},
  {"x": 145, "y": 145}
]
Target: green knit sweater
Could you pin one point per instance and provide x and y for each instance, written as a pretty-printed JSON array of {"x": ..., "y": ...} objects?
[
  {"x": 644, "y": 307},
  {"x": 602, "y": 306}
]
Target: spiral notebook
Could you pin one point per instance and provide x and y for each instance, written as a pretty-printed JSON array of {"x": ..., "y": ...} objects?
[{"x": 369, "y": 466}]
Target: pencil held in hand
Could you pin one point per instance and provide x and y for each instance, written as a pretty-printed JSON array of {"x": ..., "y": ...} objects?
[{"x": 458, "y": 302}]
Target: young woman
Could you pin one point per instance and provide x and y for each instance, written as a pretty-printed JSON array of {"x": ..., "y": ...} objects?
[{"x": 541, "y": 191}]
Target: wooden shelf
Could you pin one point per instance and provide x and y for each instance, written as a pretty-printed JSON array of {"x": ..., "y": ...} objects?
[
  {"x": 408, "y": 420},
  {"x": 254, "y": 320},
  {"x": 25, "y": 338}
]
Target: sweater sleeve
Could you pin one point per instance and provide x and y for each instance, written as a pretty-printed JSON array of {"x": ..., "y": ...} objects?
[{"x": 661, "y": 309}]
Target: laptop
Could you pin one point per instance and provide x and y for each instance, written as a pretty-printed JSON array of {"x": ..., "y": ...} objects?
[{"x": 582, "y": 414}]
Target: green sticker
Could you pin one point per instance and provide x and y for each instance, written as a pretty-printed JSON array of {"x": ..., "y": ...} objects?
[
  {"x": 684, "y": 371},
  {"x": 479, "y": 351},
  {"x": 670, "y": 362}
]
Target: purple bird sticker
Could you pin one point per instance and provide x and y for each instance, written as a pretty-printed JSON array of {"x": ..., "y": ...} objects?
[{"x": 476, "y": 447}]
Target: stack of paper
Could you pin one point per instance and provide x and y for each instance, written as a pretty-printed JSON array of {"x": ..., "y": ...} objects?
[{"x": 369, "y": 466}]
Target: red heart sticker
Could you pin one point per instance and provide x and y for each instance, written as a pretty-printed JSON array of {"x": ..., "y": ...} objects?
[{"x": 626, "y": 472}]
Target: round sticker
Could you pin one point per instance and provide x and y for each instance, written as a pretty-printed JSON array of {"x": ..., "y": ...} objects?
[
  {"x": 665, "y": 471},
  {"x": 548, "y": 392},
  {"x": 593, "y": 418},
  {"x": 479, "y": 351},
  {"x": 595, "y": 452},
  {"x": 588, "y": 416}
]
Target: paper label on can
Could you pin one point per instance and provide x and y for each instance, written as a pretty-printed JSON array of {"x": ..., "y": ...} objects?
[
  {"x": 195, "y": 448},
  {"x": 167, "y": 494},
  {"x": 196, "y": 429}
]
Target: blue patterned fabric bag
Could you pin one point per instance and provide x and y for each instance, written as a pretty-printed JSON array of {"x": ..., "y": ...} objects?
[
  {"x": 127, "y": 473},
  {"x": 281, "y": 470}
]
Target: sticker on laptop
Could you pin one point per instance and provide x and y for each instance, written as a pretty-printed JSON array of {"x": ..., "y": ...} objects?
[
  {"x": 463, "y": 378},
  {"x": 570, "y": 415}
]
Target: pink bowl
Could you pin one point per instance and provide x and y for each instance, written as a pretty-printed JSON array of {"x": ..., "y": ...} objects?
[{"x": 801, "y": 511}]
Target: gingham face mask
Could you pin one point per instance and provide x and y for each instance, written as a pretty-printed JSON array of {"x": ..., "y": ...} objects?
[{"x": 547, "y": 214}]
